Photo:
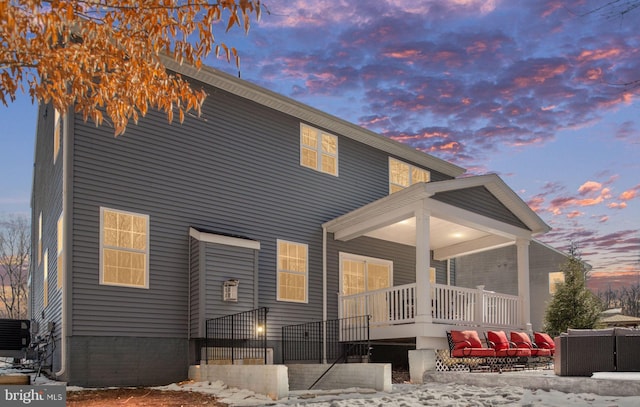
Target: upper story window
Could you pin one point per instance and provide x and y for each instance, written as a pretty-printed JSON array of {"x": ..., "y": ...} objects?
[
  {"x": 124, "y": 248},
  {"x": 57, "y": 134},
  {"x": 318, "y": 150},
  {"x": 292, "y": 271},
  {"x": 402, "y": 175},
  {"x": 45, "y": 283}
]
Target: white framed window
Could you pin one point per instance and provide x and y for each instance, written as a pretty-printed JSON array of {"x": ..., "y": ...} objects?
[
  {"x": 402, "y": 175},
  {"x": 318, "y": 150},
  {"x": 555, "y": 279},
  {"x": 57, "y": 134},
  {"x": 60, "y": 259},
  {"x": 45, "y": 285},
  {"x": 124, "y": 248},
  {"x": 361, "y": 274},
  {"x": 292, "y": 275}
]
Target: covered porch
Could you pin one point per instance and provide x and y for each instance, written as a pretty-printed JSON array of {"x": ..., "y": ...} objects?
[{"x": 442, "y": 220}]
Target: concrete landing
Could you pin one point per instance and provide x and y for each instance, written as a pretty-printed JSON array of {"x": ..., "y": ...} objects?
[{"x": 610, "y": 384}]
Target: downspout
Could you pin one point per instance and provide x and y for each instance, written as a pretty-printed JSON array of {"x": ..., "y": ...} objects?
[
  {"x": 66, "y": 243},
  {"x": 324, "y": 294}
]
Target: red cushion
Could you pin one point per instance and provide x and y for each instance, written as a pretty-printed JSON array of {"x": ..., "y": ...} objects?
[
  {"x": 521, "y": 339},
  {"x": 544, "y": 340},
  {"x": 514, "y": 352},
  {"x": 541, "y": 352},
  {"x": 499, "y": 338},
  {"x": 465, "y": 339}
]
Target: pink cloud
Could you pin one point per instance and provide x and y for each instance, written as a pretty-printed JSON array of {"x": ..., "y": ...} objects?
[
  {"x": 574, "y": 214},
  {"x": 589, "y": 187},
  {"x": 630, "y": 193}
]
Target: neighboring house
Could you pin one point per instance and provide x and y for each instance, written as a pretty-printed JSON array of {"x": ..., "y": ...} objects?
[
  {"x": 497, "y": 271},
  {"x": 315, "y": 217},
  {"x": 615, "y": 318}
]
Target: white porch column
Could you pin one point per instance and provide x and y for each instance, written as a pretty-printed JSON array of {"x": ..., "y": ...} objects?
[
  {"x": 423, "y": 257},
  {"x": 522, "y": 246}
]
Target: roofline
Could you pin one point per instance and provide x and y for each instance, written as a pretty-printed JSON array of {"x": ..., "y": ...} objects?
[
  {"x": 500, "y": 190},
  {"x": 273, "y": 100}
]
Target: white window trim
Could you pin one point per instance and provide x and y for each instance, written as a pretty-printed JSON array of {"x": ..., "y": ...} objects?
[
  {"x": 318, "y": 150},
  {"x": 102, "y": 247},
  {"x": 366, "y": 259},
  {"x": 306, "y": 275}
]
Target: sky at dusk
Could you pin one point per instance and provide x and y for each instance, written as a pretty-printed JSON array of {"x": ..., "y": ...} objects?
[{"x": 535, "y": 91}]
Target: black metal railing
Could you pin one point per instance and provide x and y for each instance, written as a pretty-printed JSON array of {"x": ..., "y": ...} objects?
[
  {"x": 330, "y": 341},
  {"x": 236, "y": 337}
]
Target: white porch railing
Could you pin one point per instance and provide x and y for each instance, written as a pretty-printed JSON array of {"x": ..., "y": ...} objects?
[
  {"x": 450, "y": 305},
  {"x": 393, "y": 305}
]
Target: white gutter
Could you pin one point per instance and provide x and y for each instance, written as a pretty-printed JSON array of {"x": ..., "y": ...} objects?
[{"x": 324, "y": 293}]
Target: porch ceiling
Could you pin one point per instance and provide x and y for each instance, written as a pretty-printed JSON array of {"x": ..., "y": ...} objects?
[{"x": 453, "y": 231}]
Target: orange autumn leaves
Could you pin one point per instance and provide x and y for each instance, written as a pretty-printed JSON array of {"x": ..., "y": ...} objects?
[{"x": 103, "y": 56}]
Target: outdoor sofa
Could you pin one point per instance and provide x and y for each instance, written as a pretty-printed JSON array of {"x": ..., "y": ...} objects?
[{"x": 581, "y": 352}]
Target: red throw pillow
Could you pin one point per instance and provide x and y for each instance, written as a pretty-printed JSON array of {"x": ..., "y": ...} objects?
[
  {"x": 520, "y": 338},
  {"x": 541, "y": 337},
  {"x": 460, "y": 339},
  {"x": 499, "y": 338}
]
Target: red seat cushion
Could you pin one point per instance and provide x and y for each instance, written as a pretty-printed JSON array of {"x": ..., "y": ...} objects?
[
  {"x": 514, "y": 352},
  {"x": 540, "y": 352},
  {"x": 465, "y": 339},
  {"x": 499, "y": 338},
  {"x": 521, "y": 339},
  {"x": 473, "y": 352},
  {"x": 543, "y": 340}
]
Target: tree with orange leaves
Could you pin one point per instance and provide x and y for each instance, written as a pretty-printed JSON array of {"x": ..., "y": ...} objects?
[{"x": 104, "y": 57}]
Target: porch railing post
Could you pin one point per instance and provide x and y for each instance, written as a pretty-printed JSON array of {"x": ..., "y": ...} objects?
[{"x": 479, "y": 309}]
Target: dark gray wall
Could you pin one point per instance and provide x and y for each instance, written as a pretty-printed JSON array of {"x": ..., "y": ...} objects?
[
  {"x": 46, "y": 199},
  {"x": 234, "y": 170}
]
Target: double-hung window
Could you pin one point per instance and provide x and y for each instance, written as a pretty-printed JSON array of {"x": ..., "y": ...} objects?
[
  {"x": 293, "y": 266},
  {"x": 318, "y": 150},
  {"x": 57, "y": 134},
  {"x": 124, "y": 248},
  {"x": 402, "y": 175}
]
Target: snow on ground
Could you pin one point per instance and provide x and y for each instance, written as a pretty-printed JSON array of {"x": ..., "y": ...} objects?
[{"x": 405, "y": 395}]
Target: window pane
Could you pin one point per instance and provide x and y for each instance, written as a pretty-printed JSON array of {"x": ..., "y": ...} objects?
[
  {"x": 398, "y": 173},
  {"x": 309, "y": 137},
  {"x": 419, "y": 175},
  {"x": 353, "y": 277},
  {"x": 377, "y": 276},
  {"x": 329, "y": 164},
  {"x": 329, "y": 144},
  {"x": 309, "y": 158}
]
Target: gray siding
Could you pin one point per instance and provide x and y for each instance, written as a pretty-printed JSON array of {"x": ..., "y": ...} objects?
[
  {"x": 228, "y": 263},
  {"x": 46, "y": 199},
  {"x": 234, "y": 170},
  {"x": 195, "y": 274},
  {"x": 481, "y": 201}
]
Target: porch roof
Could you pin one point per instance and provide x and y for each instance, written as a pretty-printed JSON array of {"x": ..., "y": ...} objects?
[{"x": 454, "y": 231}]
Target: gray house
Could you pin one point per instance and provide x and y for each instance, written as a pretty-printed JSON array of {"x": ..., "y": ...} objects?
[{"x": 313, "y": 217}]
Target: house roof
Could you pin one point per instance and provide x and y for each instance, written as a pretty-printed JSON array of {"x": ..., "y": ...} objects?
[
  {"x": 490, "y": 181},
  {"x": 311, "y": 115},
  {"x": 620, "y": 320}
]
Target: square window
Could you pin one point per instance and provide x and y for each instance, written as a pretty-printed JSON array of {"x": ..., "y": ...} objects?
[{"x": 318, "y": 150}]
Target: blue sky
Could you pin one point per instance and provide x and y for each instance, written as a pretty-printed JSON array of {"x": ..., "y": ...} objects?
[{"x": 530, "y": 90}]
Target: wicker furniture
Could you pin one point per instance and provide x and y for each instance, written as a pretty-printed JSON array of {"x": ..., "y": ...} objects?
[{"x": 580, "y": 352}]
